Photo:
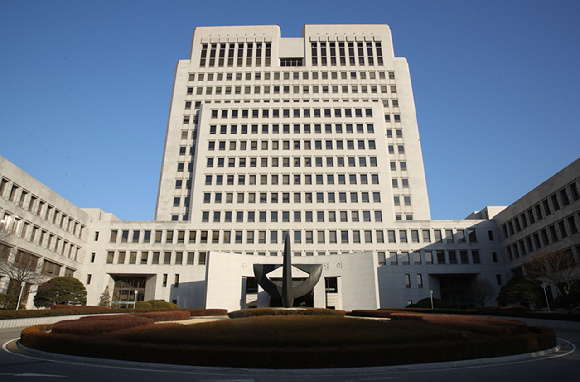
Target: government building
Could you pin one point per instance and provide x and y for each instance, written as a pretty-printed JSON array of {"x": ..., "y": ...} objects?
[{"x": 314, "y": 137}]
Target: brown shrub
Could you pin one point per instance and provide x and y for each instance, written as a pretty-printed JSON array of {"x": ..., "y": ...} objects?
[
  {"x": 370, "y": 313},
  {"x": 288, "y": 331},
  {"x": 79, "y": 307},
  {"x": 285, "y": 312},
  {"x": 95, "y": 326},
  {"x": 288, "y": 357},
  {"x": 174, "y": 315},
  {"x": 406, "y": 316},
  {"x": 481, "y": 325},
  {"x": 207, "y": 312}
]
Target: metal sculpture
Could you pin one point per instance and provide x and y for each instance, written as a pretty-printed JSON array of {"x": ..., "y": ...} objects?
[{"x": 287, "y": 292}]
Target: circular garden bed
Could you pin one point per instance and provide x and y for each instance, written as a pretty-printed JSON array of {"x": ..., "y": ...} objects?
[{"x": 292, "y": 340}]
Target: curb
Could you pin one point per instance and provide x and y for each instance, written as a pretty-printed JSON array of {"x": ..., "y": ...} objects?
[{"x": 223, "y": 370}]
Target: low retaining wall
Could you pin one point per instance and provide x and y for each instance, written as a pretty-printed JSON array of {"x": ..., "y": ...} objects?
[{"x": 26, "y": 322}]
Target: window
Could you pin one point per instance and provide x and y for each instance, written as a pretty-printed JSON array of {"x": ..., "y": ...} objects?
[
  {"x": 440, "y": 257},
  {"x": 428, "y": 257}
]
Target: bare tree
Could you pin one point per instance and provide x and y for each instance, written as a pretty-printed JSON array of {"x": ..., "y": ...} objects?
[
  {"x": 559, "y": 268},
  {"x": 25, "y": 269},
  {"x": 483, "y": 292}
]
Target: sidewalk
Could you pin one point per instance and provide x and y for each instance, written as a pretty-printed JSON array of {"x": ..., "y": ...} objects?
[
  {"x": 26, "y": 322},
  {"x": 572, "y": 326}
]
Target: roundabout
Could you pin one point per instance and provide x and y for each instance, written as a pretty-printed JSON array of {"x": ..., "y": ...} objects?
[
  {"x": 318, "y": 340},
  {"x": 17, "y": 363}
]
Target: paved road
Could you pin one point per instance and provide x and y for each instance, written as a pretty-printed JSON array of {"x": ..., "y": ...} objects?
[{"x": 563, "y": 366}]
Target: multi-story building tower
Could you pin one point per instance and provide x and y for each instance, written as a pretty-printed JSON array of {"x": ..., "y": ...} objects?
[{"x": 292, "y": 127}]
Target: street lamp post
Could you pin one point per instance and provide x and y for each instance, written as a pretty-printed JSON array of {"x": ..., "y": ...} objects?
[
  {"x": 546, "y": 295},
  {"x": 431, "y": 294},
  {"x": 136, "y": 292},
  {"x": 20, "y": 296}
]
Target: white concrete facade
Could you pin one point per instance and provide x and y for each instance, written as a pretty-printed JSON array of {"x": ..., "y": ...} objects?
[
  {"x": 546, "y": 219},
  {"x": 38, "y": 224},
  {"x": 313, "y": 136}
]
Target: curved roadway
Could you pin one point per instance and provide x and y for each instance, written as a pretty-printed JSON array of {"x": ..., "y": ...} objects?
[{"x": 561, "y": 366}]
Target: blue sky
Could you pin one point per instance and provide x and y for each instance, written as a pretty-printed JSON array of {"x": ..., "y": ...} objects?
[{"x": 85, "y": 90}]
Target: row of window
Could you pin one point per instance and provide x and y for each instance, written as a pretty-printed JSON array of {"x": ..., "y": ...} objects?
[
  {"x": 294, "y": 75},
  {"x": 298, "y": 216},
  {"x": 30, "y": 202},
  {"x": 239, "y": 53},
  {"x": 296, "y": 113},
  {"x": 439, "y": 257},
  {"x": 297, "y": 144},
  {"x": 339, "y": 53},
  {"x": 292, "y": 89},
  {"x": 306, "y": 128},
  {"x": 394, "y": 258},
  {"x": 154, "y": 258},
  {"x": 307, "y": 179},
  {"x": 544, "y": 237},
  {"x": 295, "y": 89},
  {"x": 400, "y": 236},
  {"x": 330, "y": 178},
  {"x": 297, "y": 197},
  {"x": 558, "y": 200},
  {"x": 34, "y": 234},
  {"x": 329, "y": 161},
  {"x": 251, "y": 54}
]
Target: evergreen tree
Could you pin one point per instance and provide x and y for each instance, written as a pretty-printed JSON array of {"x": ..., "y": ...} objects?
[
  {"x": 61, "y": 291},
  {"x": 105, "y": 298}
]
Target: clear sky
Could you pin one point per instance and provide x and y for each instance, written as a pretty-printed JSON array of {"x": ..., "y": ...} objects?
[{"x": 85, "y": 88}]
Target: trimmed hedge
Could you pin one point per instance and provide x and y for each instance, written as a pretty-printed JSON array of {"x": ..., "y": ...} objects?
[
  {"x": 95, "y": 325},
  {"x": 104, "y": 324},
  {"x": 143, "y": 305},
  {"x": 370, "y": 313},
  {"x": 177, "y": 315},
  {"x": 507, "y": 311},
  {"x": 285, "y": 312},
  {"x": 81, "y": 307},
  {"x": 207, "y": 312},
  {"x": 426, "y": 304},
  {"x": 383, "y": 354},
  {"x": 15, "y": 314},
  {"x": 161, "y": 304}
]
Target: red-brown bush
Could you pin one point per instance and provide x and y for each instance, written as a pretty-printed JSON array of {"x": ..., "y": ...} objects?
[
  {"x": 406, "y": 316},
  {"x": 103, "y": 324},
  {"x": 481, "y": 325},
  {"x": 109, "y": 346},
  {"x": 285, "y": 312},
  {"x": 370, "y": 313},
  {"x": 81, "y": 307},
  {"x": 207, "y": 312},
  {"x": 174, "y": 315}
]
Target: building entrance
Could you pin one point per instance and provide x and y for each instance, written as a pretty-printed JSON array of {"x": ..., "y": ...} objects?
[
  {"x": 127, "y": 291},
  {"x": 456, "y": 290}
]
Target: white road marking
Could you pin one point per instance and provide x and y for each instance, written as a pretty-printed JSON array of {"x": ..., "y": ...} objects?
[{"x": 32, "y": 375}]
